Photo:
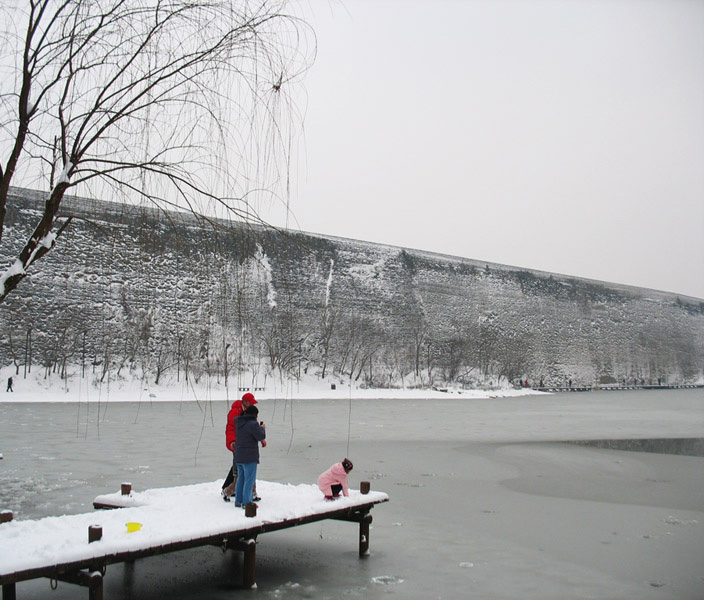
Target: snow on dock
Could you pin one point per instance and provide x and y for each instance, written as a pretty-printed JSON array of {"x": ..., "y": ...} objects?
[{"x": 171, "y": 519}]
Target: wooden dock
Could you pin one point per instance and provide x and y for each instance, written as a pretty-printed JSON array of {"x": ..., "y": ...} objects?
[{"x": 78, "y": 548}]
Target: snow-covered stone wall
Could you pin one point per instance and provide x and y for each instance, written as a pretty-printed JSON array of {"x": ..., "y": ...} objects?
[{"x": 128, "y": 289}]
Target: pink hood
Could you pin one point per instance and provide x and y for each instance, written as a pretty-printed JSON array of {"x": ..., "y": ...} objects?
[{"x": 334, "y": 475}]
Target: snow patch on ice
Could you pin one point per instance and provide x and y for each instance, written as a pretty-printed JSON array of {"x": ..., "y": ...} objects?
[
  {"x": 309, "y": 591},
  {"x": 675, "y": 521},
  {"x": 387, "y": 580}
]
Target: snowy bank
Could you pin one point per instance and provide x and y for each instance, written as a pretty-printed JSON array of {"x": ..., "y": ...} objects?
[{"x": 38, "y": 388}]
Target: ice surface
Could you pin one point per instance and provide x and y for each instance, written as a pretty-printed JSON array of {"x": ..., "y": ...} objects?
[{"x": 486, "y": 482}]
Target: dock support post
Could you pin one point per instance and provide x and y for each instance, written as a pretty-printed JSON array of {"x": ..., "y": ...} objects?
[
  {"x": 364, "y": 534},
  {"x": 95, "y": 586},
  {"x": 93, "y": 580},
  {"x": 248, "y": 568},
  {"x": 249, "y": 548},
  {"x": 9, "y": 592}
]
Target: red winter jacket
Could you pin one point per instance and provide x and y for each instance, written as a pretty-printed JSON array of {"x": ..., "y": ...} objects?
[{"x": 230, "y": 434}]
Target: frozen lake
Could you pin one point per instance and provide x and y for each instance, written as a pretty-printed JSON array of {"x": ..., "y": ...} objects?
[{"x": 487, "y": 498}]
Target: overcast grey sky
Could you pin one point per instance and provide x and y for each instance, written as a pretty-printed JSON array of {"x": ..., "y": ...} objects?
[{"x": 561, "y": 135}]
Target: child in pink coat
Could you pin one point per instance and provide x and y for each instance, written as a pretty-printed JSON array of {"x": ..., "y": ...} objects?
[{"x": 334, "y": 480}]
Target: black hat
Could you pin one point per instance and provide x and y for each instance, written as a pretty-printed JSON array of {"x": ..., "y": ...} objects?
[
  {"x": 251, "y": 410},
  {"x": 347, "y": 465}
]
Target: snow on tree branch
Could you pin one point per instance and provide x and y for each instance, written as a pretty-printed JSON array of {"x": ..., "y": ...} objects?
[{"x": 181, "y": 103}]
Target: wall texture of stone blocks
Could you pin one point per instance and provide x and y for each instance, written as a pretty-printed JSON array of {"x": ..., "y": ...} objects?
[{"x": 129, "y": 288}]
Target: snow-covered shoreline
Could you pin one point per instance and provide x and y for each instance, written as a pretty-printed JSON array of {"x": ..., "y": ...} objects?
[{"x": 35, "y": 388}]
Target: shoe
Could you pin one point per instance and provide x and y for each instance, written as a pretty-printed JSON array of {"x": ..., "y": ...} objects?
[
  {"x": 256, "y": 499},
  {"x": 238, "y": 505},
  {"x": 225, "y": 497}
]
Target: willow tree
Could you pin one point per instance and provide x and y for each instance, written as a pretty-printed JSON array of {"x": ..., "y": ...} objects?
[{"x": 180, "y": 103}]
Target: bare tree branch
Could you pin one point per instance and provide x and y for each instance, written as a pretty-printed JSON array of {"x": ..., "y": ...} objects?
[{"x": 163, "y": 99}]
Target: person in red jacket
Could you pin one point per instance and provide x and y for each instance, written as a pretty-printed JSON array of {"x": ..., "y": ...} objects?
[{"x": 238, "y": 407}]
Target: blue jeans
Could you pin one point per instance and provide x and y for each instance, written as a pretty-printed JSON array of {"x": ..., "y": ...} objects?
[{"x": 246, "y": 476}]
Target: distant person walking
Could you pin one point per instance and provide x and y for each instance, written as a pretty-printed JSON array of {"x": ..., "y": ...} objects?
[
  {"x": 249, "y": 433},
  {"x": 238, "y": 407},
  {"x": 9, "y": 385}
]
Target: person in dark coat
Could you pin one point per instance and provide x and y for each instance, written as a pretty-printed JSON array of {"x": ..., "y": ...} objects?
[
  {"x": 249, "y": 432},
  {"x": 238, "y": 407}
]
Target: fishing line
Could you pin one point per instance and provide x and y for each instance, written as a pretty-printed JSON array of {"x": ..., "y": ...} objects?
[
  {"x": 273, "y": 412},
  {"x": 290, "y": 442},
  {"x": 97, "y": 419},
  {"x": 78, "y": 417},
  {"x": 349, "y": 419},
  {"x": 200, "y": 437},
  {"x": 139, "y": 404}
]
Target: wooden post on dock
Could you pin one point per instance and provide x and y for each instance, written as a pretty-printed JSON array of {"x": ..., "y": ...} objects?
[
  {"x": 126, "y": 489},
  {"x": 250, "y": 509},
  {"x": 364, "y": 487},
  {"x": 6, "y": 516},
  {"x": 95, "y": 532}
]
